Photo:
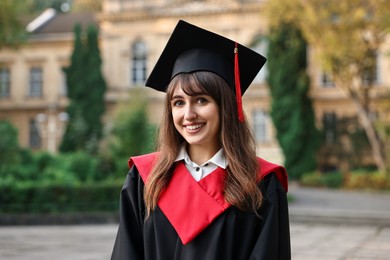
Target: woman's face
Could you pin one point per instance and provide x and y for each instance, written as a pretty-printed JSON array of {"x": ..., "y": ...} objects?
[{"x": 196, "y": 118}]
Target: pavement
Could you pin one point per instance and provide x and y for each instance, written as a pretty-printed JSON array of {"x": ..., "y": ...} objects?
[
  {"x": 331, "y": 206},
  {"x": 325, "y": 225},
  {"x": 328, "y": 224}
]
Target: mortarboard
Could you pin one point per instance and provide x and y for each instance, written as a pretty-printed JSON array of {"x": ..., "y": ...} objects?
[{"x": 191, "y": 48}]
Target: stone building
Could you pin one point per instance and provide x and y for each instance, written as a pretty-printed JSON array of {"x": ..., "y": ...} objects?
[{"x": 132, "y": 36}]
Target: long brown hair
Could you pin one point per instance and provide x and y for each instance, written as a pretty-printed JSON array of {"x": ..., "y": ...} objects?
[{"x": 236, "y": 139}]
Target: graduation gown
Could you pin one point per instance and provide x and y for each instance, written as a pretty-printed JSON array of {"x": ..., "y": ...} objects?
[{"x": 193, "y": 221}]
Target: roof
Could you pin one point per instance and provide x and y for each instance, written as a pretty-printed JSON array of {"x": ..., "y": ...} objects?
[{"x": 54, "y": 22}]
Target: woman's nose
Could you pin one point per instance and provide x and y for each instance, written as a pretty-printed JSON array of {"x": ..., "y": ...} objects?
[{"x": 190, "y": 113}]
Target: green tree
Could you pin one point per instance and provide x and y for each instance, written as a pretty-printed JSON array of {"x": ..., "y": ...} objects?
[
  {"x": 38, "y": 6},
  {"x": 132, "y": 134},
  {"x": 12, "y": 32},
  {"x": 86, "y": 89},
  {"x": 9, "y": 146},
  {"x": 94, "y": 106},
  {"x": 87, "y": 5},
  {"x": 383, "y": 127},
  {"x": 345, "y": 36},
  {"x": 291, "y": 108},
  {"x": 75, "y": 129}
]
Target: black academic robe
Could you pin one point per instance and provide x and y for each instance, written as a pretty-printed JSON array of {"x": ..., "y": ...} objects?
[{"x": 193, "y": 222}]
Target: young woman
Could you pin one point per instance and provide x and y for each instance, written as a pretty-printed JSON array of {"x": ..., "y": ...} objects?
[{"x": 204, "y": 194}]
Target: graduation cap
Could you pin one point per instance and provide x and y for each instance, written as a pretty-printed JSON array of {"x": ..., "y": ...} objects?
[{"x": 191, "y": 48}]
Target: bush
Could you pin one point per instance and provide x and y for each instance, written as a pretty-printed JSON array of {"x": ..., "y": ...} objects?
[
  {"x": 312, "y": 179},
  {"x": 333, "y": 179},
  {"x": 355, "y": 180},
  {"x": 131, "y": 134},
  {"x": 62, "y": 183},
  {"x": 368, "y": 180},
  {"x": 18, "y": 172},
  {"x": 29, "y": 197},
  {"x": 317, "y": 179},
  {"x": 81, "y": 165},
  {"x": 9, "y": 146}
]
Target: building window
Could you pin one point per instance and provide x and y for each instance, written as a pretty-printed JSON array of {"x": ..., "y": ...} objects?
[
  {"x": 138, "y": 70},
  {"x": 36, "y": 82},
  {"x": 370, "y": 75},
  {"x": 63, "y": 91},
  {"x": 262, "y": 48},
  {"x": 327, "y": 80},
  {"x": 35, "y": 138},
  {"x": 329, "y": 122},
  {"x": 5, "y": 82},
  {"x": 261, "y": 123}
]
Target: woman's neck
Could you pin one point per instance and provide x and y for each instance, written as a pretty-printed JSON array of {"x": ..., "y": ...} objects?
[{"x": 200, "y": 154}]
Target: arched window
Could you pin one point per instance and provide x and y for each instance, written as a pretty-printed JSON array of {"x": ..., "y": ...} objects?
[{"x": 138, "y": 64}]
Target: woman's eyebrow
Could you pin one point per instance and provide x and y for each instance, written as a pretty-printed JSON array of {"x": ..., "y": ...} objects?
[
  {"x": 176, "y": 96},
  {"x": 193, "y": 96}
]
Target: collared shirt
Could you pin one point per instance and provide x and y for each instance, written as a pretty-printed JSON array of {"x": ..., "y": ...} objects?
[{"x": 201, "y": 171}]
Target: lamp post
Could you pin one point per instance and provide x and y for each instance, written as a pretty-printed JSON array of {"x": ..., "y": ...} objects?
[{"x": 51, "y": 126}]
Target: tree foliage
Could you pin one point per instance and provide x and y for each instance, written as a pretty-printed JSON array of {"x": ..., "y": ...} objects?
[
  {"x": 86, "y": 89},
  {"x": 87, "y": 5},
  {"x": 345, "y": 36},
  {"x": 131, "y": 134},
  {"x": 292, "y": 111},
  {"x": 12, "y": 32},
  {"x": 37, "y": 6},
  {"x": 9, "y": 146},
  {"x": 383, "y": 127}
]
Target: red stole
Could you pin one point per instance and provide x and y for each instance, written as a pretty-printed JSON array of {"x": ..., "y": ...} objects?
[{"x": 191, "y": 206}]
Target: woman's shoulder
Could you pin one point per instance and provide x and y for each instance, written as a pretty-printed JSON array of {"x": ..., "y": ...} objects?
[
  {"x": 267, "y": 168},
  {"x": 142, "y": 159},
  {"x": 144, "y": 163}
]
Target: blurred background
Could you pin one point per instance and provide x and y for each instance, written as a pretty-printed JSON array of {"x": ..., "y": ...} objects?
[{"x": 73, "y": 106}]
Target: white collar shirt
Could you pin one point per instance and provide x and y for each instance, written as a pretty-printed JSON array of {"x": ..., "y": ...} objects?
[{"x": 198, "y": 172}]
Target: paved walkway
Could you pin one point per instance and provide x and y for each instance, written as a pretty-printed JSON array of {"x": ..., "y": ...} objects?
[
  {"x": 339, "y": 224},
  {"x": 339, "y": 242},
  {"x": 94, "y": 242},
  {"x": 313, "y": 205},
  {"x": 325, "y": 225}
]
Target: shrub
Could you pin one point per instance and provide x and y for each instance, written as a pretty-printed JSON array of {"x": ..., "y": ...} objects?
[
  {"x": 368, "y": 180},
  {"x": 28, "y": 197},
  {"x": 355, "y": 180},
  {"x": 333, "y": 179},
  {"x": 317, "y": 179},
  {"x": 9, "y": 146},
  {"x": 312, "y": 179}
]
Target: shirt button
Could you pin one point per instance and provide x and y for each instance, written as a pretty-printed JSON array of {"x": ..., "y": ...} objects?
[{"x": 197, "y": 169}]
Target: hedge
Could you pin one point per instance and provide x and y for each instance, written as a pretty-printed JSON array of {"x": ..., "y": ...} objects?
[
  {"x": 29, "y": 197},
  {"x": 353, "y": 180}
]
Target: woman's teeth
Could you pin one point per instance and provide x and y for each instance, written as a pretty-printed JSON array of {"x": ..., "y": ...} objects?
[{"x": 193, "y": 127}]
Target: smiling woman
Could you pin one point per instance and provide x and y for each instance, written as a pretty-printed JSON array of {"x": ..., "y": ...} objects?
[
  {"x": 204, "y": 194},
  {"x": 195, "y": 114}
]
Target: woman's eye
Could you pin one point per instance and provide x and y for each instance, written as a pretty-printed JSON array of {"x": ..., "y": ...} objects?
[
  {"x": 201, "y": 100},
  {"x": 177, "y": 103}
]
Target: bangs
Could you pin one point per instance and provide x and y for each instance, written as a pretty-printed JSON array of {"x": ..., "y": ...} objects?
[{"x": 189, "y": 83}]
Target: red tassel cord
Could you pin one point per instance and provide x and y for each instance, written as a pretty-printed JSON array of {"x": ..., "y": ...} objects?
[{"x": 238, "y": 85}]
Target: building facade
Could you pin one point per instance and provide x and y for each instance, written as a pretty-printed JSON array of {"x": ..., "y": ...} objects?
[{"x": 132, "y": 35}]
